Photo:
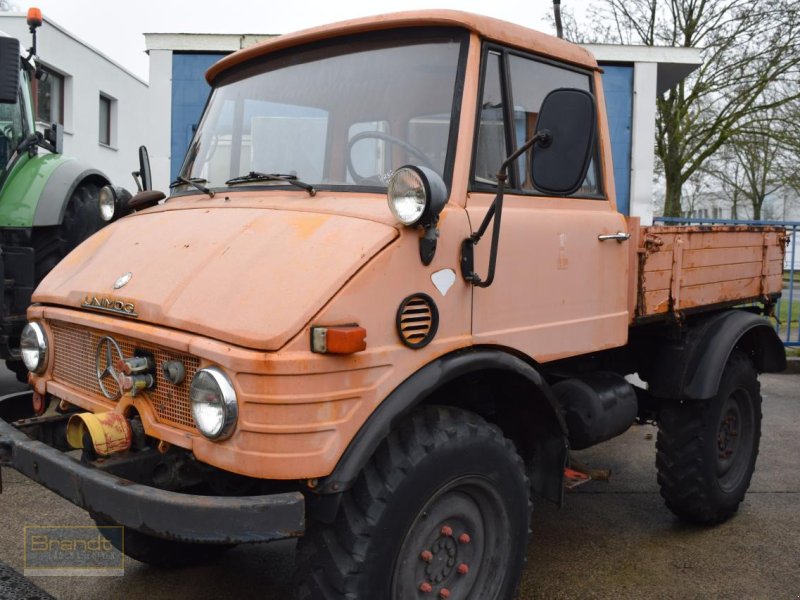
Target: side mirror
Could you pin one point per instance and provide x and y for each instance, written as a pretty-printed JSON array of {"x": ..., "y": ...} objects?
[
  {"x": 144, "y": 169},
  {"x": 54, "y": 138},
  {"x": 567, "y": 122},
  {"x": 143, "y": 177},
  {"x": 9, "y": 70}
]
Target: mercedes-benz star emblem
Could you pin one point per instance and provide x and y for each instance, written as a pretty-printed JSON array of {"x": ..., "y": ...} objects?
[
  {"x": 123, "y": 279},
  {"x": 107, "y": 355}
]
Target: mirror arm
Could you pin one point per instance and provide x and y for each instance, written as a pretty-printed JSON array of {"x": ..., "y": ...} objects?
[{"x": 545, "y": 138}]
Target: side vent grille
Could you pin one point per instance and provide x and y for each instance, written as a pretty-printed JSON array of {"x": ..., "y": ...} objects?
[{"x": 417, "y": 320}]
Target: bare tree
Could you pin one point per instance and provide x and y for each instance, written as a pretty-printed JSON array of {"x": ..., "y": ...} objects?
[
  {"x": 760, "y": 161},
  {"x": 751, "y": 64}
]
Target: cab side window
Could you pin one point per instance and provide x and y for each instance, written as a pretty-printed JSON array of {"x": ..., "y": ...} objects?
[
  {"x": 492, "y": 147},
  {"x": 529, "y": 81}
]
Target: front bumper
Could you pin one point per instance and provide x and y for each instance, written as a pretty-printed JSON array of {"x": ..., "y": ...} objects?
[{"x": 161, "y": 513}]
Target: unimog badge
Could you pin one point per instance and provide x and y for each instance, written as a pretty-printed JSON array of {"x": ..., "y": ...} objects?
[{"x": 118, "y": 307}]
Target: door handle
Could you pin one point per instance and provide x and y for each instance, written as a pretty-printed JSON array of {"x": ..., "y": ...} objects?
[{"x": 620, "y": 236}]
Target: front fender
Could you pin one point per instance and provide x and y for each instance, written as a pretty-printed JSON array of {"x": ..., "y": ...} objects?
[{"x": 414, "y": 390}]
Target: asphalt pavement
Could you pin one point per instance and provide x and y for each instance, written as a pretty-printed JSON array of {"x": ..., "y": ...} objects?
[{"x": 612, "y": 539}]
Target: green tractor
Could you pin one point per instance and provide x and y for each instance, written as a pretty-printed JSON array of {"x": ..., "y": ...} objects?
[{"x": 48, "y": 202}]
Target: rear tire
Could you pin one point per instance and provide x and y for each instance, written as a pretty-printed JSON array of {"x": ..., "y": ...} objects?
[
  {"x": 81, "y": 220},
  {"x": 51, "y": 244},
  {"x": 443, "y": 504},
  {"x": 707, "y": 450}
]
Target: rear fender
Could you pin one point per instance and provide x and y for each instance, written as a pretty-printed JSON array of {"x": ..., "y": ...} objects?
[
  {"x": 59, "y": 189},
  {"x": 691, "y": 369}
]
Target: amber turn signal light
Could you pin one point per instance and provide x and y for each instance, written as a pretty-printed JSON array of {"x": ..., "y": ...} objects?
[
  {"x": 34, "y": 18},
  {"x": 344, "y": 339}
]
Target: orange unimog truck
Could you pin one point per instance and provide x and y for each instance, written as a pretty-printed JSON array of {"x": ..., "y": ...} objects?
[{"x": 278, "y": 351}]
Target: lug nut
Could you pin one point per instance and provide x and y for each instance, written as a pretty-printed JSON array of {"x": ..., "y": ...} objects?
[
  {"x": 444, "y": 593},
  {"x": 447, "y": 532},
  {"x": 464, "y": 538},
  {"x": 463, "y": 569},
  {"x": 427, "y": 556},
  {"x": 425, "y": 587}
]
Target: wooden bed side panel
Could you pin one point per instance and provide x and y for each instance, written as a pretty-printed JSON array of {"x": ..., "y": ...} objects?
[{"x": 690, "y": 267}]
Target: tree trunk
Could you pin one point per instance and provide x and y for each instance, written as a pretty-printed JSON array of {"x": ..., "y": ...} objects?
[
  {"x": 757, "y": 210},
  {"x": 672, "y": 200}
]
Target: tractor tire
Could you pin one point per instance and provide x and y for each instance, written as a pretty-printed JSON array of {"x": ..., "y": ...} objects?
[
  {"x": 706, "y": 450},
  {"x": 51, "y": 244},
  {"x": 442, "y": 509},
  {"x": 158, "y": 552},
  {"x": 81, "y": 220}
]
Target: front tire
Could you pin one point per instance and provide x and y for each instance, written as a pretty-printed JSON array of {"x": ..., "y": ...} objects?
[
  {"x": 707, "y": 450},
  {"x": 443, "y": 505}
]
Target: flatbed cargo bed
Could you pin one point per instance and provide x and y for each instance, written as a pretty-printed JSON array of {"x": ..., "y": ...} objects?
[{"x": 682, "y": 269}]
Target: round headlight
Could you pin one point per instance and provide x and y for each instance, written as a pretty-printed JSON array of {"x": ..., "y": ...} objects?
[
  {"x": 108, "y": 202},
  {"x": 416, "y": 195},
  {"x": 214, "y": 406},
  {"x": 33, "y": 347},
  {"x": 407, "y": 195}
]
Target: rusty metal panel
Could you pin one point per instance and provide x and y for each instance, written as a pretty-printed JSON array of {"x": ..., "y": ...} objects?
[{"x": 691, "y": 267}]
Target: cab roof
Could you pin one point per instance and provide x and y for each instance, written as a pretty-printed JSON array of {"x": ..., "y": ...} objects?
[{"x": 489, "y": 28}]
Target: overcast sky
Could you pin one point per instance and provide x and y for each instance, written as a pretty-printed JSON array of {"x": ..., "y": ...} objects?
[{"x": 115, "y": 27}]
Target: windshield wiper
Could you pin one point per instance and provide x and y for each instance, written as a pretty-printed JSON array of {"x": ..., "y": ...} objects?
[
  {"x": 256, "y": 176},
  {"x": 195, "y": 182}
]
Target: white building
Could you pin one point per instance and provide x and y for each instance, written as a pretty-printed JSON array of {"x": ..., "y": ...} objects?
[{"x": 102, "y": 105}]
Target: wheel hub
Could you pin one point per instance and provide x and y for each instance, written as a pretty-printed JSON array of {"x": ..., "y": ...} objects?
[
  {"x": 443, "y": 561},
  {"x": 728, "y": 437},
  {"x": 445, "y": 548},
  {"x": 734, "y": 439}
]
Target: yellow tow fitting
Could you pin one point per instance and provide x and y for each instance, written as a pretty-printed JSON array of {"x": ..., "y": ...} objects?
[{"x": 110, "y": 432}]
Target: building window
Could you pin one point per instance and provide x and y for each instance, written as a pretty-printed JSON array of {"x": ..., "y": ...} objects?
[
  {"x": 50, "y": 97},
  {"x": 105, "y": 120}
]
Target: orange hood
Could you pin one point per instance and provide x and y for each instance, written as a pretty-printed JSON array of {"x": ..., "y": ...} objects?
[{"x": 252, "y": 277}]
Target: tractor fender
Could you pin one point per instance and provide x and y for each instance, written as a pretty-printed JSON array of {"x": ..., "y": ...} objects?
[
  {"x": 692, "y": 369},
  {"x": 421, "y": 385},
  {"x": 63, "y": 181}
]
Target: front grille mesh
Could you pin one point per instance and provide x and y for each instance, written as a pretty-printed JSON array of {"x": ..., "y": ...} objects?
[{"x": 74, "y": 351}]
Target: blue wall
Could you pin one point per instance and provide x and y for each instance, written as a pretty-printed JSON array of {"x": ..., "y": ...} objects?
[
  {"x": 618, "y": 89},
  {"x": 189, "y": 94}
]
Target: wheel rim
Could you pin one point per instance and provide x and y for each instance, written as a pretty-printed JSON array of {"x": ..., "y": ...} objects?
[
  {"x": 734, "y": 439},
  {"x": 454, "y": 547}
]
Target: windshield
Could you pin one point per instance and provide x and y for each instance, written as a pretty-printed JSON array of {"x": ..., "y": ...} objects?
[
  {"x": 13, "y": 124},
  {"x": 344, "y": 113}
]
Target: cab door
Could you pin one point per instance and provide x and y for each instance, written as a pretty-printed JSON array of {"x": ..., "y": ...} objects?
[{"x": 559, "y": 289}]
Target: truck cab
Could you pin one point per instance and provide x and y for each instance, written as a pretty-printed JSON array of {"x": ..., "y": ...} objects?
[{"x": 388, "y": 293}]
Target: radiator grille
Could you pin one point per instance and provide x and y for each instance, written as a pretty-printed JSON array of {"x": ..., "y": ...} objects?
[{"x": 74, "y": 351}]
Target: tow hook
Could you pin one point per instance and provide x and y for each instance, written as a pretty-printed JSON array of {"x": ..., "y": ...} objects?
[{"x": 109, "y": 432}]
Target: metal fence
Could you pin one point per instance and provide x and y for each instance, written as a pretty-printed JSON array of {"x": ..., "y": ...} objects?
[{"x": 788, "y": 308}]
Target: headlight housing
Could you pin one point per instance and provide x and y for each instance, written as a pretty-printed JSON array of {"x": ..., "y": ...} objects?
[
  {"x": 108, "y": 202},
  {"x": 113, "y": 202},
  {"x": 214, "y": 406},
  {"x": 33, "y": 347},
  {"x": 416, "y": 195}
]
